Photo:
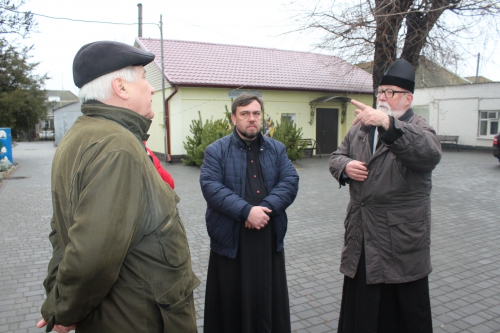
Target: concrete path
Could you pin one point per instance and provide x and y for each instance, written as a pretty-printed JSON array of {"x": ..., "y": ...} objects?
[{"x": 465, "y": 283}]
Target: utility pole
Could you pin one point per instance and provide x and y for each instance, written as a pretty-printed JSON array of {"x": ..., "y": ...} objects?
[
  {"x": 163, "y": 92},
  {"x": 139, "y": 5},
  {"x": 477, "y": 67}
]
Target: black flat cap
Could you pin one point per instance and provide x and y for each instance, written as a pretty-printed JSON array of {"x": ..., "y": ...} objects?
[
  {"x": 99, "y": 58},
  {"x": 401, "y": 74}
]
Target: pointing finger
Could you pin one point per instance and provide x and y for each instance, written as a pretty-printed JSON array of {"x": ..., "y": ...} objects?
[{"x": 358, "y": 104}]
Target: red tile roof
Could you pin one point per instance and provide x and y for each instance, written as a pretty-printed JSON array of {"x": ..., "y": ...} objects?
[{"x": 219, "y": 65}]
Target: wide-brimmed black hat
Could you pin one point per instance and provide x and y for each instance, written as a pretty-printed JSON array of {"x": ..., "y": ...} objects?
[
  {"x": 401, "y": 74},
  {"x": 98, "y": 58}
]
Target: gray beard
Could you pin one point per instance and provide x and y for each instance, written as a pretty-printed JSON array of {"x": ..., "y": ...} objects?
[{"x": 386, "y": 108}]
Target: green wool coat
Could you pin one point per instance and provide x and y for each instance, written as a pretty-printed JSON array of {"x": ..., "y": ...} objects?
[{"x": 121, "y": 260}]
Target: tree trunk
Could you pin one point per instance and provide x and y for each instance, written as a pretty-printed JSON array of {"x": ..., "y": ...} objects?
[
  {"x": 418, "y": 26},
  {"x": 389, "y": 16}
]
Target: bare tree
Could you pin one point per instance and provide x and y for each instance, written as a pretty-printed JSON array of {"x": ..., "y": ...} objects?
[
  {"x": 383, "y": 30},
  {"x": 14, "y": 22}
]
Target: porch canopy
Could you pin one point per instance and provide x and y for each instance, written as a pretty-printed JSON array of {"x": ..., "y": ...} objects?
[{"x": 324, "y": 99}]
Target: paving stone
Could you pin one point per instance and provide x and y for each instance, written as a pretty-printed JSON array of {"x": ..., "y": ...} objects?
[{"x": 464, "y": 285}]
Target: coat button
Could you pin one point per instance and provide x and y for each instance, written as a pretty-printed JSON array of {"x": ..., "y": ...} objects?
[
  {"x": 258, "y": 192},
  {"x": 254, "y": 176},
  {"x": 362, "y": 204},
  {"x": 251, "y": 161}
]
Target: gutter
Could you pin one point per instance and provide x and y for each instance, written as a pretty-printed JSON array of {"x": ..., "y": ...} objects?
[{"x": 167, "y": 123}]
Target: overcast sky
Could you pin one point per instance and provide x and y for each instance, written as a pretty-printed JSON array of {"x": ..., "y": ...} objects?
[{"x": 261, "y": 23}]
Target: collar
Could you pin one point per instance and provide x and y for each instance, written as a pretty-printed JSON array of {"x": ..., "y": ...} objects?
[
  {"x": 407, "y": 115},
  {"x": 129, "y": 119}
]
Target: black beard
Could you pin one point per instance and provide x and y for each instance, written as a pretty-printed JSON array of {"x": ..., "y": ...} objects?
[{"x": 247, "y": 135}]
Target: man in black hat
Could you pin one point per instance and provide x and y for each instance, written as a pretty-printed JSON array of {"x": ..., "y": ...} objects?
[
  {"x": 121, "y": 260},
  {"x": 387, "y": 158}
]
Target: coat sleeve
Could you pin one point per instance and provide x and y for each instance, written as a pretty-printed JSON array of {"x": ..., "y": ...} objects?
[
  {"x": 340, "y": 158},
  {"x": 54, "y": 262},
  {"x": 283, "y": 194},
  {"x": 418, "y": 148},
  {"x": 99, "y": 238},
  {"x": 218, "y": 196}
]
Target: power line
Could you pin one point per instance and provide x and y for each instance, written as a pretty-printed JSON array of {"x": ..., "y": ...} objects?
[
  {"x": 75, "y": 20},
  {"x": 128, "y": 24}
]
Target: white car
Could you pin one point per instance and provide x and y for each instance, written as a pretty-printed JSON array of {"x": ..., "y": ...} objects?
[{"x": 46, "y": 135}]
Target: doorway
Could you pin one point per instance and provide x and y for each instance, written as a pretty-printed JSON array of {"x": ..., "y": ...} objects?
[{"x": 327, "y": 128}]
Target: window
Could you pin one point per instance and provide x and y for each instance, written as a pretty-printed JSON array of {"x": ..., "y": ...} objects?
[
  {"x": 54, "y": 99},
  {"x": 488, "y": 123},
  {"x": 423, "y": 111},
  {"x": 288, "y": 116}
]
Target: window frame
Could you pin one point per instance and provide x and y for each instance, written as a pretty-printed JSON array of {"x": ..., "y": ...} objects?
[
  {"x": 488, "y": 120},
  {"x": 289, "y": 115}
]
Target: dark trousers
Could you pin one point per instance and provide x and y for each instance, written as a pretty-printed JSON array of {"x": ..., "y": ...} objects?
[{"x": 384, "y": 308}]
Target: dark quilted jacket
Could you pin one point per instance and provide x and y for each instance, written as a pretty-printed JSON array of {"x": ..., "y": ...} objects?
[{"x": 222, "y": 182}]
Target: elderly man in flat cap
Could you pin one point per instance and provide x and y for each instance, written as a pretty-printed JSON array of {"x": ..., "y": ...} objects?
[
  {"x": 387, "y": 158},
  {"x": 121, "y": 261}
]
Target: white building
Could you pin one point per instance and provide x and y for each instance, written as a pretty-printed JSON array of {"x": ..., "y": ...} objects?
[
  {"x": 470, "y": 111},
  {"x": 59, "y": 103},
  {"x": 64, "y": 117}
]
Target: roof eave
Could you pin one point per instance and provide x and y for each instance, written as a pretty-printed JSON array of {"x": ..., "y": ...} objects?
[{"x": 246, "y": 87}]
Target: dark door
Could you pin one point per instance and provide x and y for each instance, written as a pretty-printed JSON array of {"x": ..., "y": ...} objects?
[{"x": 327, "y": 123}]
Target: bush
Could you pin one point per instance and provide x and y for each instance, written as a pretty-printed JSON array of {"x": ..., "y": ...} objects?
[
  {"x": 203, "y": 135},
  {"x": 287, "y": 133},
  {"x": 5, "y": 164}
]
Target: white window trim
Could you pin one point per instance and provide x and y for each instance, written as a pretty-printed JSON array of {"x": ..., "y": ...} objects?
[
  {"x": 292, "y": 116},
  {"x": 487, "y": 136}
]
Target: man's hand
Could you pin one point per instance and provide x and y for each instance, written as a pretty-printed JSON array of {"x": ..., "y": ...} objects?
[
  {"x": 367, "y": 115},
  {"x": 57, "y": 328},
  {"x": 258, "y": 217},
  {"x": 356, "y": 170}
]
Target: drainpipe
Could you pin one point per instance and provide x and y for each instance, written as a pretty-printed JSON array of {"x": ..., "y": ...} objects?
[{"x": 167, "y": 123}]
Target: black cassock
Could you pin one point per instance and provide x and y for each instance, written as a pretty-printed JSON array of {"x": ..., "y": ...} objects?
[
  {"x": 249, "y": 294},
  {"x": 384, "y": 308}
]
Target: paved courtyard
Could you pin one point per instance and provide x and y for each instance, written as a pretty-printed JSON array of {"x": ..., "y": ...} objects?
[{"x": 465, "y": 283}]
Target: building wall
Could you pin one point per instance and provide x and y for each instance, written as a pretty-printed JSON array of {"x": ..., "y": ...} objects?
[
  {"x": 455, "y": 110},
  {"x": 212, "y": 103},
  {"x": 153, "y": 75},
  {"x": 64, "y": 118}
]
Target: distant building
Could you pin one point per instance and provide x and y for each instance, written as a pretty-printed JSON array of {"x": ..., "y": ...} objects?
[
  {"x": 55, "y": 100},
  {"x": 471, "y": 111},
  {"x": 478, "y": 79},
  {"x": 428, "y": 74},
  {"x": 64, "y": 108},
  {"x": 311, "y": 89}
]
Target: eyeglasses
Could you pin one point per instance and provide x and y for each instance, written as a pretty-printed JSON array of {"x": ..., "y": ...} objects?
[{"x": 389, "y": 93}]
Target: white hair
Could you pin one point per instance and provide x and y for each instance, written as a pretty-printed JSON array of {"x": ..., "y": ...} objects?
[{"x": 100, "y": 89}]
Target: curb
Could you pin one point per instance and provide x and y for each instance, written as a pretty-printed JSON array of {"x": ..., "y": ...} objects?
[{"x": 5, "y": 174}]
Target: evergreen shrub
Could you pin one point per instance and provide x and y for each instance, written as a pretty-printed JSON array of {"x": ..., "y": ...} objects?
[
  {"x": 287, "y": 133},
  {"x": 203, "y": 135}
]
